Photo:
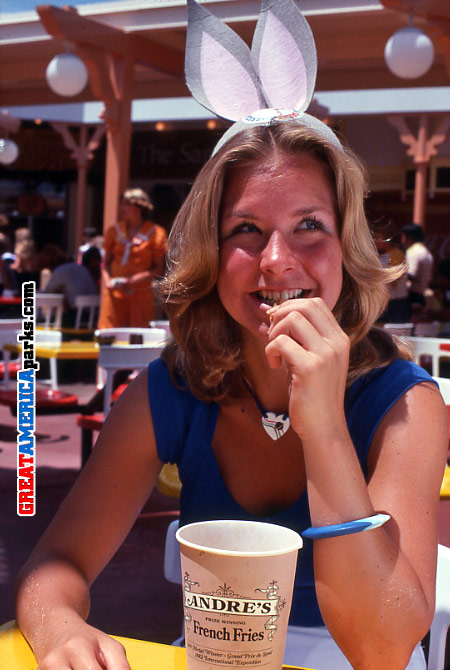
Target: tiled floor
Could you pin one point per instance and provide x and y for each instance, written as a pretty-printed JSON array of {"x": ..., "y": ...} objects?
[{"x": 131, "y": 596}]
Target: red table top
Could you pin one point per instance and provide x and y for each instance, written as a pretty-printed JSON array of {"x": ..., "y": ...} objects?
[{"x": 10, "y": 300}]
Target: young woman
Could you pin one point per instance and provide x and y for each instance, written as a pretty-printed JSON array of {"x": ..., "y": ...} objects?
[{"x": 272, "y": 290}]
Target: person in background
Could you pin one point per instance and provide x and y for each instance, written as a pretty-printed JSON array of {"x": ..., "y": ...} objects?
[
  {"x": 134, "y": 251},
  {"x": 6, "y": 227},
  {"x": 26, "y": 262},
  {"x": 420, "y": 265},
  {"x": 67, "y": 277},
  {"x": 88, "y": 241},
  {"x": 5, "y": 284},
  {"x": 398, "y": 309},
  {"x": 8, "y": 276},
  {"x": 92, "y": 261}
]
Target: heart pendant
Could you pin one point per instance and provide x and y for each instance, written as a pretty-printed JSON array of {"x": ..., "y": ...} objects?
[{"x": 275, "y": 425}]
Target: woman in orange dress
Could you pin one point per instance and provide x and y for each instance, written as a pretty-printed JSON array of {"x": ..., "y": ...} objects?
[{"x": 134, "y": 255}]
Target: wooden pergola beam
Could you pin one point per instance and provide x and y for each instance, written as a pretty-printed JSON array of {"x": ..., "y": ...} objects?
[
  {"x": 431, "y": 10},
  {"x": 67, "y": 24}
]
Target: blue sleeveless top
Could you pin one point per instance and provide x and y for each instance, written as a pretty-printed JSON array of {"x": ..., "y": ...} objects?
[{"x": 184, "y": 428}]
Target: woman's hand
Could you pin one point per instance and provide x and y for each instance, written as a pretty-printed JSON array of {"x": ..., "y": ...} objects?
[
  {"x": 109, "y": 283},
  {"x": 107, "y": 279},
  {"x": 140, "y": 279},
  {"x": 305, "y": 335},
  {"x": 77, "y": 646},
  {"x": 118, "y": 283}
]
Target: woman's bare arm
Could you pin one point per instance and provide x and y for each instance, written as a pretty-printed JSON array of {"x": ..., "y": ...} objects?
[
  {"x": 375, "y": 589},
  {"x": 52, "y": 599},
  {"x": 106, "y": 269}
]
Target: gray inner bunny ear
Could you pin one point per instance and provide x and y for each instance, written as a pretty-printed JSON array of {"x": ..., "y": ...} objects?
[
  {"x": 322, "y": 129},
  {"x": 303, "y": 120},
  {"x": 218, "y": 66},
  {"x": 284, "y": 55}
]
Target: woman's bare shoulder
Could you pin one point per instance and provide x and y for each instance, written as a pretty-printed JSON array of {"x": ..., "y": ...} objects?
[{"x": 408, "y": 451}]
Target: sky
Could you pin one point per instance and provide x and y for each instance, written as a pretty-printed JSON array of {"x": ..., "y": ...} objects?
[{"x": 12, "y": 6}]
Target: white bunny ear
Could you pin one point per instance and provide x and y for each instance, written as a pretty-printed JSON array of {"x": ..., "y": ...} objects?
[
  {"x": 284, "y": 54},
  {"x": 219, "y": 69}
]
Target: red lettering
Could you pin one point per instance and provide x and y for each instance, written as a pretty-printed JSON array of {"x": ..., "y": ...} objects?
[
  {"x": 26, "y": 498},
  {"x": 26, "y": 472},
  {"x": 26, "y": 509},
  {"x": 26, "y": 484},
  {"x": 25, "y": 460}
]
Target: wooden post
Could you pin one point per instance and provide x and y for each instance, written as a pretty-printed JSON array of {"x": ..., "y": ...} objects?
[
  {"x": 117, "y": 117},
  {"x": 420, "y": 194},
  {"x": 421, "y": 148},
  {"x": 82, "y": 153},
  {"x": 111, "y": 78},
  {"x": 421, "y": 159}
]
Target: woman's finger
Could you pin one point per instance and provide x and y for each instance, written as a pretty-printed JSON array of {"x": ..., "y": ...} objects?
[
  {"x": 285, "y": 348},
  {"x": 311, "y": 328},
  {"x": 79, "y": 653},
  {"x": 114, "y": 655},
  {"x": 313, "y": 309}
]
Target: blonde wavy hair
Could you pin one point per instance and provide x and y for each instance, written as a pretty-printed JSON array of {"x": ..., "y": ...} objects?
[{"x": 206, "y": 351}]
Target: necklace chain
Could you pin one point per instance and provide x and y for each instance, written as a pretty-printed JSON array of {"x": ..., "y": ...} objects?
[
  {"x": 275, "y": 425},
  {"x": 255, "y": 421}
]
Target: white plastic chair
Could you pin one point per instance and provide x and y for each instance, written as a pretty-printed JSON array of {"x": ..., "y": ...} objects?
[
  {"x": 399, "y": 328},
  {"x": 164, "y": 324},
  {"x": 9, "y": 328},
  {"x": 50, "y": 306},
  {"x": 427, "y": 329},
  {"x": 172, "y": 562},
  {"x": 87, "y": 305},
  {"x": 8, "y": 335},
  {"x": 444, "y": 387},
  {"x": 121, "y": 355},
  {"x": 441, "y": 620},
  {"x": 431, "y": 348},
  {"x": 172, "y": 567},
  {"x": 123, "y": 335},
  {"x": 50, "y": 338}
]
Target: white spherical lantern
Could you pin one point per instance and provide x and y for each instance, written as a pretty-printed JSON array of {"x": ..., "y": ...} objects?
[
  {"x": 66, "y": 74},
  {"x": 409, "y": 53},
  {"x": 8, "y": 151}
]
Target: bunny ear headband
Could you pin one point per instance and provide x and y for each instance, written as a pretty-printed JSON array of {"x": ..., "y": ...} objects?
[{"x": 271, "y": 83}]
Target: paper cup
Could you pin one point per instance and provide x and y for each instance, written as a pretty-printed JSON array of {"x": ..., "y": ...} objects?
[{"x": 238, "y": 578}]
